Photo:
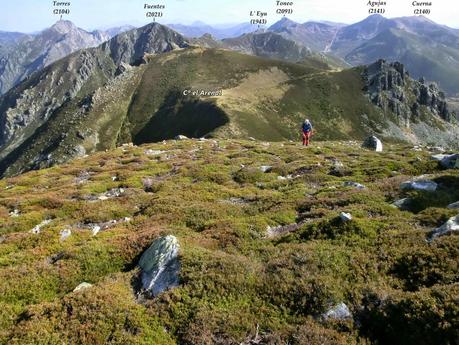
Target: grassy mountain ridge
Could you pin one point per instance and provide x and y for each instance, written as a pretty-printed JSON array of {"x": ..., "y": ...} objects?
[{"x": 263, "y": 98}]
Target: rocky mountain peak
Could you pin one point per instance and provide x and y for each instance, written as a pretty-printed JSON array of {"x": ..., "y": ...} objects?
[
  {"x": 283, "y": 24},
  {"x": 389, "y": 86},
  {"x": 154, "y": 38},
  {"x": 63, "y": 27}
]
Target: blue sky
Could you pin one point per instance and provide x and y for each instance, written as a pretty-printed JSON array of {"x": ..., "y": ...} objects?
[{"x": 34, "y": 15}]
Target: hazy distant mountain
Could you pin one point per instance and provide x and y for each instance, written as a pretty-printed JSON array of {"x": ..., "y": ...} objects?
[
  {"x": 199, "y": 29},
  {"x": 314, "y": 35},
  {"x": 112, "y": 32},
  {"x": 427, "y": 49},
  {"x": 30, "y": 53}
]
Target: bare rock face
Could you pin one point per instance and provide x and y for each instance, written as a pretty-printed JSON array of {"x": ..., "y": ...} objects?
[
  {"x": 160, "y": 266},
  {"x": 389, "y": 86}
]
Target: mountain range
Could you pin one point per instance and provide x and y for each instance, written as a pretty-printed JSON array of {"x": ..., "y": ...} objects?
[
  {"x": 428, "y": 49},
  {"x": 23, "y": 54},
  {"x": 199, "y": 29},
  {"x": 131, "y": 89}
]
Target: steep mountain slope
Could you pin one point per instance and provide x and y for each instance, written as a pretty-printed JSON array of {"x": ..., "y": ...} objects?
[
  {"x": 264, "y": 257},
  {"x": 26, "y": 54},
  {"x": 269, "y": 45}
]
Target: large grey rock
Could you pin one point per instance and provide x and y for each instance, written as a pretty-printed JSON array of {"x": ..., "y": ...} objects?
[
  {"x": 403, "y": 204},
  {"x": 339, "y": 312},
  {"x": 454, "y": 206},
  {"x": 450, "y": 162},
  {"x": 452, "y": 225},
  {"x": 373, "y": 143},
  {"x": 423, "y": 185},
  {"x": 160, "y": 266}
]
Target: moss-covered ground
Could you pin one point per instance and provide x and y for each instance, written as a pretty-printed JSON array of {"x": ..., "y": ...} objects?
[{"x": 235, "y": 279}]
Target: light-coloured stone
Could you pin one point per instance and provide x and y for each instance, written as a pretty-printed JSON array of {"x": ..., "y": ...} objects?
[
  {"x": 345, "y": 217},
  {"x": 160, "y": 266},
  {"x": 181, "y": 137},
  {"x": 15, "y": 213},
  {"x": 454, "y": 206},
  {"x": 339, "y": 312},
  {"x": 82, "y": 286},
  {"x": 66, "y": 233},
  {"x": 425, "y": 185},
  {"x": 37, "y": 229},
  {"x": 354, "y": 185},
  {"x": 266, "y": 168},
  {"x": 452, "y": 225}
]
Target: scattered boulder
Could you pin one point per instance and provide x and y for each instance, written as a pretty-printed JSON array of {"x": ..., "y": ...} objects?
[
  {"x": 281, "y": 230},
  {"x": 452, "y": 225},
  {"x": 154, "y": 152},
  {"x": 450, "y": 162},
  {"x": 15, "y": 213},
  {"x": 160, "y": 266},
  {"x": 423, "y": 185},
  {"x": 252, "y": 139},
  {"x": 56, "y": 257},
  {"x": 66, "y": 233},
  {"x": 95, "y": 229},
  {"x": 339, "y": 170},
  {"x": 345, "y": 217},
  {"x": 37, "y": 229},
  {"x": 439, "y": 157},
  {"x": 339, "y": 312},
  {"x": 373, "y": 143},
  {"x": 181, "y": 137},
  {"x": 454, "y": 206},
  {"x": 285, "y": 178},
  {"x": 403, "y": 204},
  {"x": 354, "y": 185},
  {"x": 83, "y": 177},
  {"x": 82, "y": 286},
  {"x": 266, "y": 168}
]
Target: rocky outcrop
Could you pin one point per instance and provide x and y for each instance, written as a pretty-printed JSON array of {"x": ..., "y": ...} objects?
[
  {"x": 160, "y": 266},
  {"x": 389, "y": 86}
]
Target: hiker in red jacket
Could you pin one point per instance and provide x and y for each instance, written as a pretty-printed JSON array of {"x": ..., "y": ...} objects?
[{"x": 307, "y": 132}]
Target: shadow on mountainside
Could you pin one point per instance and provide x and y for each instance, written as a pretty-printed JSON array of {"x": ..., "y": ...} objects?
[{"x": 180, "y": 115}]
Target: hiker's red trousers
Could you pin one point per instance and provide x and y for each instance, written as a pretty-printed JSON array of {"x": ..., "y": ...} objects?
[{"x": 306, "y": 138}]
